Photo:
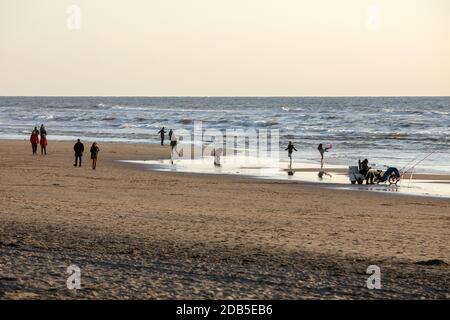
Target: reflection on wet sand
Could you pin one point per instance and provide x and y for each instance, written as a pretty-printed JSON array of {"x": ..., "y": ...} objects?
[{"x": 267, "y": 168}]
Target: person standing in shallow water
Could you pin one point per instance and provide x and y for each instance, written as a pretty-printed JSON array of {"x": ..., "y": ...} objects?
[
  {"x": 94, "y": 154},
  {"x": 34, "y": 140},
  {"x": 79, "y": 149},
  {"x": 43, "y": 144},
  {"x": 290, "y": 148},
  {"x": 162, "y": 132}
]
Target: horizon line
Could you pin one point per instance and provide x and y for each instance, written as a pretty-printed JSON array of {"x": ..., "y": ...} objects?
[{"x": 226, "y": 96}]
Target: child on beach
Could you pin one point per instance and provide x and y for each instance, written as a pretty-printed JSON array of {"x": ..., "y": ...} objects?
[
  {"x": 43, "y": 144},
  {"x": 94, "y": 154},
  {"x": 34, "y": 140},
  {"x": 290, "y": 148},
  {"x": 322, "y": 150}
]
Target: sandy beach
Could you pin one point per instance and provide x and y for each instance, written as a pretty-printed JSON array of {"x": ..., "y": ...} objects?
[{"x": 142, "y": 234}]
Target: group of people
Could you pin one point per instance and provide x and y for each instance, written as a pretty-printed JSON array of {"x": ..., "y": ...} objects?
[
  {"x": 39, "y": 137},
  {"x": 162, "y": 133},
  {"x": 79, "y": 150},
  {"x": 291, "y": 148},
  {"x": 370, "y": 174},
  {"x": 173, "y": 141}
]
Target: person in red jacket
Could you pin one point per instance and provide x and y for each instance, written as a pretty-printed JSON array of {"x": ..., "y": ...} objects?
[
  {"x": 34, "y": 139},
  {"x": 44, "y": 144}
]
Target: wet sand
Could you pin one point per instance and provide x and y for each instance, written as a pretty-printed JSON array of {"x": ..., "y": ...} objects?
[{"x": 145, "y": 234}]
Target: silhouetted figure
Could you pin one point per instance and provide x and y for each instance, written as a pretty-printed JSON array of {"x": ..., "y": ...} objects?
[
  {"x": 42, "y": 130},
  {"x": 162, "y": 132},
  {"x": 34, "y": 140},
  {"x": 170, "y": 134},
  {"x": 79, "y": 149},
  {"x": 290, "y": 148},
  {"x": 94, "y": 154},
  {"x": 43, "y": 144},
  {"x": 365, "y": 170}
]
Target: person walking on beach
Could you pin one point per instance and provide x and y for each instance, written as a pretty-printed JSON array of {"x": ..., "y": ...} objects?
[
  {"x": 43, "y": 144},
  {"x": 162, "y": 132},
  {"x": 94, "y": 154},
  {"x": 173, "y": 145},
  {"x": 34, "y": 140},
  {"x": 290, "y": 148},
  {"x": 42, "y": 131},
  {"x": 170, "y": 134},
  {"x": 322, "y": 150},
  {"x": 79, "y": 149}
]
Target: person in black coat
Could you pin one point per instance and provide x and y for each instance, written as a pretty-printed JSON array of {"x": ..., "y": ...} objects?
[
  {"x": 79, "y": 149},
  {"x": 161, "y": 133}
]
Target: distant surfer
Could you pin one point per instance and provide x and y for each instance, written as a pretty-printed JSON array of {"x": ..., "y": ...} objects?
[
  {"x": 290, "y": 148},
  {"x": 161, "y": 133},
  {"x": 322, "y": 150}
]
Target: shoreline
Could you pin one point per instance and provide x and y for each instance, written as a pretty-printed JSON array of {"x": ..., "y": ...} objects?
[
  {"x": 439, "y": 175},
  {"x": 144, "y": 234}
]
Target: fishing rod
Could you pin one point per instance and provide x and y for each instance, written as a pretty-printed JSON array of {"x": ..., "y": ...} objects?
[
  {"x": 411, "y": 169},
  {"x": 419, "y": 162}
]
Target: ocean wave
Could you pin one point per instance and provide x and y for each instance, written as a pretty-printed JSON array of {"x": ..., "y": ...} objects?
[
  {"x": 109, "y": 119},
  {"x": 266, "y": 123},
  {"x": 120, "y": 107}
]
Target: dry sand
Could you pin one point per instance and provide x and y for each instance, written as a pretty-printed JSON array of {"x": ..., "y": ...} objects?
[{"x": 146, "y": 234}]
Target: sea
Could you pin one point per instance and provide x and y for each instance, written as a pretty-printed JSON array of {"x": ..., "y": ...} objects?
[{"x": 389, "y": 131}]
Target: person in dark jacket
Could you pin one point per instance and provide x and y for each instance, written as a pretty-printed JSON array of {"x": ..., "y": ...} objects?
[
  {"x": 290, "y": 148},
  {"x": 79, "y": 149},
  {"x": 94, "y": 154},
  {"x": 42, "y": 130},
  {"x": 162, "y": 132},
  {"x": 365, "y": 170}
]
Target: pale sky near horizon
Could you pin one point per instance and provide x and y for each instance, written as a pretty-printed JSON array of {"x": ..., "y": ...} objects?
[{"x": 225, "y": 47}]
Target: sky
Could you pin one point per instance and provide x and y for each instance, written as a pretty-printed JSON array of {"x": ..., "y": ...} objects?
[{"x": 225, "y": 47}]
